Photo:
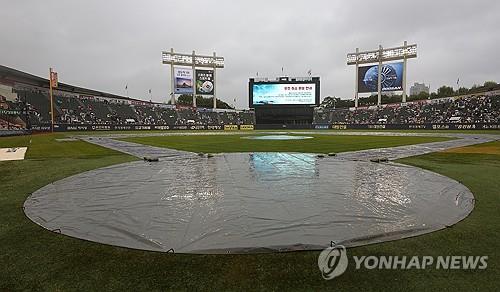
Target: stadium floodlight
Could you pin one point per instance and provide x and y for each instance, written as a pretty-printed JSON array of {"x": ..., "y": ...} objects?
[
  {"x": 187, "y": 60},
  {"x": 192, "y": 60},
  {"x": 379, "y": 56},
  {"x": 399, "y": 53}
]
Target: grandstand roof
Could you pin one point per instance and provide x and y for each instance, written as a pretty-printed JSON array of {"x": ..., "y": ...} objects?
[{"x": 13, "y": 76}]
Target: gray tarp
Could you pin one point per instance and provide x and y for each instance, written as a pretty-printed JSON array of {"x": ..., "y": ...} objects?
[
  {"x": 253, "y": 202},
  {"x": 249, "y": 202},
  {"x": 460, "y": 140},
  {"x": 135, "y": 149}
]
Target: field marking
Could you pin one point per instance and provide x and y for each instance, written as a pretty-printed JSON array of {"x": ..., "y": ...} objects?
[{"x": 13, "y": 153}]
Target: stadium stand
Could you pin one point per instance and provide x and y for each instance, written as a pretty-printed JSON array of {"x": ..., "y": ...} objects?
[
  {"x": 25, "y": 102},
  {"x": 85, "y": 110},
  {"x": 463, "y": 109}
]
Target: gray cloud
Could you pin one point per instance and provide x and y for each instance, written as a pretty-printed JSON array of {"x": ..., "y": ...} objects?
[{"x": 105, "y": 45}]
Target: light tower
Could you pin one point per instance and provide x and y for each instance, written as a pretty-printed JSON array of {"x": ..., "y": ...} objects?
[
  {"x": 380, "y": 56},
  {"x": 193, "y": 61}
]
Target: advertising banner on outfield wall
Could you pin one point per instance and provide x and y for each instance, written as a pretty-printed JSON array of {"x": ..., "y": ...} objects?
[
  {"x": 391, "y": 74},
  {"x": 183, "y": 80},
  {"x": 98, "y": 127},
  {"x": 230, "y": 127},
  {"x": 444, "y": 126},
  {"x": 205, "y": 82},
  {"x": 246, "y": 127}
]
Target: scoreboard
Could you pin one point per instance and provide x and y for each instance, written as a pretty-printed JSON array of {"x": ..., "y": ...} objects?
[{"x": 284, "y": 91}]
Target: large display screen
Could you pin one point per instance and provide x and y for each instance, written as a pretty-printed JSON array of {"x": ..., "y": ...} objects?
[
  {"x": 284, "y": 94},
  {"x": 391, "y": 78}
]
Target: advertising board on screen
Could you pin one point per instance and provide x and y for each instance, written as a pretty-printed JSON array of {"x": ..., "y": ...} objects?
[
  {"x": 205, "y": 82},
  {"x": 284, "y": 94},
  {"x": 183, "y": 80},
  {"x": 391, "y": 78}
]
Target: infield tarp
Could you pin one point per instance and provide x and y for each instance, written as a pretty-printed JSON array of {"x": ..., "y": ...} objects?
[
  {"x": 135, "y": 149},
  {"x": 241, "y": 202}
]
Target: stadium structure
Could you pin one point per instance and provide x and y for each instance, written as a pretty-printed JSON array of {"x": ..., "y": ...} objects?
[
  {"x": 25, "y": 103},
  {"x": 25, "y": 106},
  {"x": 124, "y": 185}
]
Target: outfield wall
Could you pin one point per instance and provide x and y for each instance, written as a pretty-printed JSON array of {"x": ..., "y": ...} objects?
[
  {"x": 6, "y": 133},
  {"x": 99, "y": 127},
  {"x": 444, "y": 126}
]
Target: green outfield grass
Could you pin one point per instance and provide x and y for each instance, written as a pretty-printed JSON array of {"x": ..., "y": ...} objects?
[
  {"x": 319, "y": 144},
  {"x": 32, "y": 258}
]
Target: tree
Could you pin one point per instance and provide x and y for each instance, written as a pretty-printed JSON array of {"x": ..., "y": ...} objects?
[
  {"x": 367, "y": 101},
  {"x": 490, "y": 85},
  {"x": 423, "y": 95},
  {"x": 336, "y": 102},
  {"x": 187, "y": 100},
  {"x": 463, "y": 91},
  {"x": 343, "y": 103},
  {"x": 445, "y": 91}
]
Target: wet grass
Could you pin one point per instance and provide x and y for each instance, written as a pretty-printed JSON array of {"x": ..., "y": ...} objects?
[{"x": 319, "y": 143}]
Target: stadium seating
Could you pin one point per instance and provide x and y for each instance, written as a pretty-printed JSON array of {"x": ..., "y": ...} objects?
[
  {"x": 77, "y": 109},
  {"x": 466, "y": 109},
  {"x": 39, "y": 104}
]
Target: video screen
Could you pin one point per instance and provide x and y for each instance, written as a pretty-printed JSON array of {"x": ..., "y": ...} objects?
[
  {"x": 391, "y": 78},
  {"x": 284, "y": 94}
]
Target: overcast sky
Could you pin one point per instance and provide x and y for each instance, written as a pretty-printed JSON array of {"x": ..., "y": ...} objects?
[{"x": 105, "y": 45}]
